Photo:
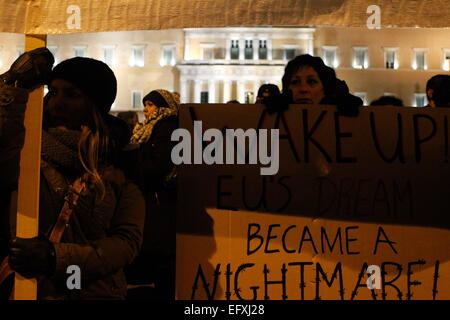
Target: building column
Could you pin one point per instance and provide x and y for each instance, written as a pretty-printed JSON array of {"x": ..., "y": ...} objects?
[
  {"x": 184, "y": 90},
  {"x": 227, "y": 49},
  {"x": 255, "y": 49},
  {"x": 186, "y": 48},
  {"x": 226, "y": 91},
  {"x": 241, "y": 91},
  {"x": 311, "y": 45},
  {"x": 256, "y": 85},
  {"x": 269, "y": 49},
  {"x": 241, "y": 49},
  {"x": 197, "y": 90},
  {"x": 211, "y": 91}
]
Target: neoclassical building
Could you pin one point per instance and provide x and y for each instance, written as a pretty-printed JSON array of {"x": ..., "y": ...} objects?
[
  {"x": 216, "y": 65},
  {"x": 223, "y": 64}
]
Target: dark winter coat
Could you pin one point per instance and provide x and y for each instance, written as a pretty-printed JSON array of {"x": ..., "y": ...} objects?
[
  {"x": 156, "y": 262},
  {"x": 155, "y": 164},
  {"x": 101, "y": 238}
]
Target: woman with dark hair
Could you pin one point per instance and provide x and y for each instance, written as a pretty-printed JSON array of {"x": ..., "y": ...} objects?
[
  {"x": 438, "y": 91},
  {"x": 80, "y": 142},
  {"x": 155, "y": 265},
  {"x": 307, "y": 80}
]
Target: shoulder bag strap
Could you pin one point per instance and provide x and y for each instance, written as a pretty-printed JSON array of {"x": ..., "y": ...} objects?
[{"x": 58, "y": 230}]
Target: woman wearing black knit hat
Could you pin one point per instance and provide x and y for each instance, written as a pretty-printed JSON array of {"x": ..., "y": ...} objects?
[
  {"x": 156, "y": 262},
  {"x": 104, "y": 233}
]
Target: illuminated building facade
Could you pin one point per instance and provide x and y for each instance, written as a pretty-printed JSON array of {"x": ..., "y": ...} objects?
[{"x": 216, "y": 65}]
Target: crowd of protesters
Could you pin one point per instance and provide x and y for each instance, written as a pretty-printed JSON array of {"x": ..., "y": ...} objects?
[{"x": 121, "y": 230}]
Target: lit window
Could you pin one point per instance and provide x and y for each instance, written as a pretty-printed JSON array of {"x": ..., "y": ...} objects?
[
  {"x": 79, "y": 51},
  {"x": 419, "y": 61},
  {"x": 137, "y": 58},
  {"x": 168, "y": 55},
  {"x": 54, "y": 51},
  {"x": 330, "y": 56},
  {"x": 108, "y": 55},
  {"x": 207, "y": 51},
  {"x": 204, "y": 96},
  {"x": 289, "y": 52},
  {"x": 234, "y": 50},
  {"x": 419, "y": 100},
  {"x": 136, "y": 99},
  {"x": 248, "y": 54},
  {"x": 262, "y": 50},
  {"x": 360, "y": 59},
  {"x": 446, "y": 62},
  {"x": 391, "y": 58}
]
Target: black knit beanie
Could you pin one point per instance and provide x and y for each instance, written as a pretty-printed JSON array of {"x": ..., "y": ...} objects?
[
  {"x": 93, "y": 77},
  {"x": 156, "y": 98},
  {"x": 269, "y": 88}
]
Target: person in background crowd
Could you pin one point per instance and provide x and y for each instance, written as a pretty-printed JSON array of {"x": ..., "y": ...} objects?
[
  {"x": 266, "y": 91},
  {"x": 387, "y": 101},
  {"x": 156, "y": 262},
  {"x": 130, "y": 117},
  {"x": 307, "y": 80},
  {"x": 438, "y": 91},
  {"x": 79, "y": 141}
]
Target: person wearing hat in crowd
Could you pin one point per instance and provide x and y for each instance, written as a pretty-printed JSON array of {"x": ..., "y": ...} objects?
[
  {"x": 438, "y": 91},
  {"x": 267, "y": 90},
  {"x": 157, "y": 173},
  {"x": 80, "y": 140}
]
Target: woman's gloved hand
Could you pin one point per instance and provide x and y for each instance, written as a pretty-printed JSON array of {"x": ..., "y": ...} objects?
[
  {"x": 32, "y": 257},
  {"x": 30, "y": 70}
]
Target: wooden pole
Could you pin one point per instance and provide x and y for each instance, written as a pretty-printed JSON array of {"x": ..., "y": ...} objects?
[{"x": 29, "y": 179}]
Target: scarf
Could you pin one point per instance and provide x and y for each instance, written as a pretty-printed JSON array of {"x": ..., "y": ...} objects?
[
  {"x": 168, "y": 104},
  {"x": 143, "y": 131},
  {"x": 60, "y": 149}
]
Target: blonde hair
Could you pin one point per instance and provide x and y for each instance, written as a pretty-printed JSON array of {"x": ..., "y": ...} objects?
[{"x": 93, "y": 146}]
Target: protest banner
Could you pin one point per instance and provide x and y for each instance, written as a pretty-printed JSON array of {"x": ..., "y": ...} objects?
[
  {"x": 38, "y": 18},
  {"x": 350, "y": 194}
]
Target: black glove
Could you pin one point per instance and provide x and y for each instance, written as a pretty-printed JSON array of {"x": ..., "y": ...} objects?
[
  {"x": 277, "y": 102},
  {"x": 31, "y": 70},
  {"x": 32, "y": 257}
]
